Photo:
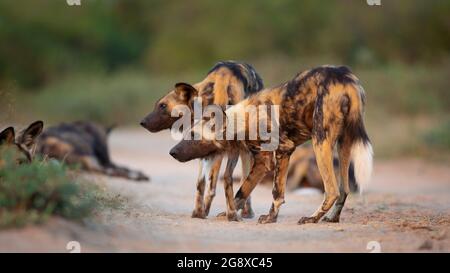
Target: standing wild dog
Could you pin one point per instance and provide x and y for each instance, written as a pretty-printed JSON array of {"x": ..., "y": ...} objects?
[
  {"x": 24, "y": 143},
  {"x": 226, "y": 83},
  {"x": 83, "y": 143},
  {"x": 325, "y": 104}
]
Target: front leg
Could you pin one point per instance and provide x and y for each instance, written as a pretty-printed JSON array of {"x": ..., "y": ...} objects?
[
  {"x": 246, "y": 162},
  {"x": 279, "y": 186},
  {"x": 247, "y": 211},
  {"x": 228, "y": 187},
  {"x": 261, "y": 166},
  {"x": 199, "y": 209},
  {"x": 212, "y": 174}
]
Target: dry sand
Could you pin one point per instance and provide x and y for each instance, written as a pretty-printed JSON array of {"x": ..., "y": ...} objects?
[{"x": 406, "y": 209}]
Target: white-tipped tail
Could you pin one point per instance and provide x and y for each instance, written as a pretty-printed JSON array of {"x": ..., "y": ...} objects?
[{"x": 362, "y": 158}]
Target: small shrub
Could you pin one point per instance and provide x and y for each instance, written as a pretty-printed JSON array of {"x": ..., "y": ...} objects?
[{"x": 30, "y": 193}]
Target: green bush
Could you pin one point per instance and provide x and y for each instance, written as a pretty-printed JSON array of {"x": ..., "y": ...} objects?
[
  {"x": 30, "y": 193},
  {"x": 45, "y": 40}
]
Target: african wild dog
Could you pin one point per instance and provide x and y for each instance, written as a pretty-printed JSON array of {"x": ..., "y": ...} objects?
[
  {"x": 304, "y": 173},
  {"x": 83, "y": 143},
  {"x": 225, "y": 84},
  {"x": 24, "y": 143},
  {"x": 325, "y": 104}
]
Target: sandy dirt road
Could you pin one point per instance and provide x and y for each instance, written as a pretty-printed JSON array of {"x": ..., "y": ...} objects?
[{"x": 406, "y": 209}]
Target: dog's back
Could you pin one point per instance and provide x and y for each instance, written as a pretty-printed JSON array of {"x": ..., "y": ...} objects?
[
  {"x": 229, "y": 82},
  {"x": 83, "y": 143},
  {"x": 244, "y": 72},
  {"x": 78, "y": 138}
]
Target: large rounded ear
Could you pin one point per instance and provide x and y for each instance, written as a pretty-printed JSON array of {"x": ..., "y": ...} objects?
[
  {"x": 7, "y": 136},
  {"x": 185, "y": 91},
  {"x": 29, "y": 135}
]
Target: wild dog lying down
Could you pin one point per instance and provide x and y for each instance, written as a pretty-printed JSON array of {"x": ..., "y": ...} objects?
[
  {"x": 225, "y": 84},
  {"x": 83, "y": 143},
  {"x": 325, "y": 104},
  {"x": 304, "y": 173},
  {"x": 24, "y": 143}
]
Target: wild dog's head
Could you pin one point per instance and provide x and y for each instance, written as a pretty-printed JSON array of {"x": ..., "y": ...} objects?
[
  {"x": 24, "y": 144},
  {"x": 207, "y": 137},
  {"x": 243, "y": 124},
  {"x": 161, "y": 118}
]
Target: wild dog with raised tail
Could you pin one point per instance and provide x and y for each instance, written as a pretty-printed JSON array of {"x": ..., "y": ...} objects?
[
  {"x": 324, "y": 104},
  {"x": 227, "y": 83}
]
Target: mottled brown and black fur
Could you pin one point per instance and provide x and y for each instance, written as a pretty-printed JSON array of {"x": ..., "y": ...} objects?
[
  {"x": 304, "y": 173},
  {"x": 227, "y": 83},
  {"x": 324, "y": 104},
  {"x": 83, "y": 143},
  {"x": 24, "y": 144}
]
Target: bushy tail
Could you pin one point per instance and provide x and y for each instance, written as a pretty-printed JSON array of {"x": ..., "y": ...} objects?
[
  {"x": 361, "y": 148},
  {"x": 362, "y": 158}
]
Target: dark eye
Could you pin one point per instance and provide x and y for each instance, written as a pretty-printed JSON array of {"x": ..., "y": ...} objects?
[{"x": 162, "y": 106}]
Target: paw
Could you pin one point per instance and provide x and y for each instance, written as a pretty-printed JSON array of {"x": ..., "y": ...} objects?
[
  {"x": 234, "y": 217},
  {"x": 331, "y": 219},
  {"x": 307, "y": 220},
  {"x": 198, "y": 214},
  {"x": 207, "y": 211},
  {"x": 266, "y": 219},
  {"x": 239, "y": 203},
  {"x": 247, "y": 213},
  {"x": 143, "y": 177},
  {"x": 138, "y": 176},
  {"x": 221, "y": 215}
]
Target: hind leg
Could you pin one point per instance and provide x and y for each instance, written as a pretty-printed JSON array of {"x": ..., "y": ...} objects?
[
  {"x": 344, "y": 151},
  {"x": 88, "y": 163},
  {"x": 91, "y": 164},
  {"x": 212, "y": 174},
  {"x": 324, "y": 157},
  {"x": 120, "y": 171}
]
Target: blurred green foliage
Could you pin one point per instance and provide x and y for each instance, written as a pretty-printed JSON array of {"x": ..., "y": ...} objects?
[
  {"x": 109, "y": 60},
  {"x": 46, "y": 39},
  {"x": 439, "y": 137},
  {"x": 121, "y": 98}
]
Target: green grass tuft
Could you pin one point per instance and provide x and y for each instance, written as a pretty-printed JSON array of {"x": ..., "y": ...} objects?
[{"x": 31, "y": 193}]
